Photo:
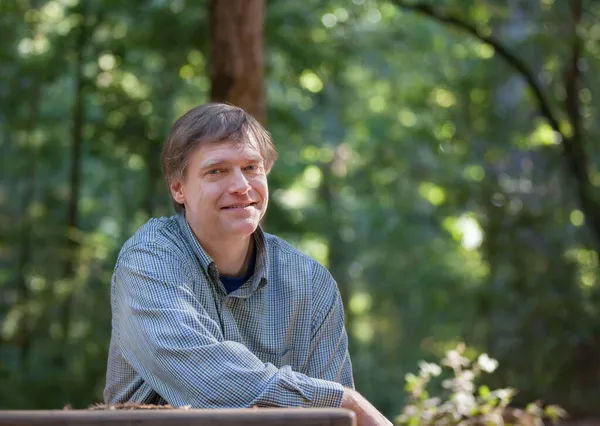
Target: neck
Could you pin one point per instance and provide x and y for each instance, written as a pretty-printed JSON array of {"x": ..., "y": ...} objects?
[{"x": 232, "y": 256}]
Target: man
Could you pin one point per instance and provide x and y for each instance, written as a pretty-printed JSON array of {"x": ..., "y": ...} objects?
[{"x": 209, "y": 310}]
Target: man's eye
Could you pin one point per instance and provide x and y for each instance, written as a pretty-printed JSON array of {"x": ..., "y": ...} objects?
[{"x": 214, "y": 172}]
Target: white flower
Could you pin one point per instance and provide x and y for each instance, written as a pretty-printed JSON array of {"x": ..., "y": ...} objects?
[
  {"x": 486, "y": 363},
  {"x": 410, "y": 377},
  {"x": 467, "y": 375},
  {"x": 448, "y": 384},
  {"x": 430, "y": 369},
  {"x": 493, "y": 418},
  {"x": 463, "y": 384},
  {"x": 410, "y": 410},
  {"x": 455, "y": 360},
  {"x": 432, "y": 402},
  {"x": 464, "y": 403},
  {"x": 427, "y": 415},
  {"x": 503, "y": 395}
]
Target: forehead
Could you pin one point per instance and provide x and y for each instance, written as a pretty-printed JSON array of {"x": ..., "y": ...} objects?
[{"x": 226, "y": 152}]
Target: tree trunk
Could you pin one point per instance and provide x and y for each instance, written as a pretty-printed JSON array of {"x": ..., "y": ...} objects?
[
  {"x": 154, "y": 179},
  {"x": 22, "y": 337},
  {"x": 237, "y": 62},
  {"x": 78, "y": 117},
  {"x": 574, "y": 146}
]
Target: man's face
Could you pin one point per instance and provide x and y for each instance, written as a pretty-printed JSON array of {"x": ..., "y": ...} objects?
[{"x": 224, "y": 191}]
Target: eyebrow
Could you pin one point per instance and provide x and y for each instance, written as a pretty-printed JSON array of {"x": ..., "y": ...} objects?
[
  {"x": 212, "y": 163},
  {"x": 219, "y": 161}
]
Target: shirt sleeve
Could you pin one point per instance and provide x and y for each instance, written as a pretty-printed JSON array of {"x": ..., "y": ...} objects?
[
  {"x": 168, "y": 338},
  {"x": 329, "y": 358}
]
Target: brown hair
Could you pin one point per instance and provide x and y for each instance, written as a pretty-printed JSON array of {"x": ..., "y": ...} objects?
[{"x": 211, "y": 123}]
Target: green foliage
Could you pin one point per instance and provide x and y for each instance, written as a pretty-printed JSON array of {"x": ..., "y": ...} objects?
[
  {"x": 413, "y": 163},
  {"x": 464, "y": 402}
]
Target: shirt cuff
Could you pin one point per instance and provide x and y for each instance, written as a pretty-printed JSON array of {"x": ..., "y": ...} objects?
[{"x": 326, "y": 393}]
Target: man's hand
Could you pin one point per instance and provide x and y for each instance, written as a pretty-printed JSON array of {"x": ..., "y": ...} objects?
[{"x": 366, "y": 414}]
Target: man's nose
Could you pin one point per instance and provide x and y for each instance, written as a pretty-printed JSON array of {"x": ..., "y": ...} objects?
[{"x": 239, "y": 182}]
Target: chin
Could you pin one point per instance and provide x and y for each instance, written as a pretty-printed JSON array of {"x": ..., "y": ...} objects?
[{"x": 243, "y": 230}]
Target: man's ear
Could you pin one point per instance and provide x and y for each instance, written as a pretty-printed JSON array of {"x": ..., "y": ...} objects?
[{"x": 176, "y": 187}]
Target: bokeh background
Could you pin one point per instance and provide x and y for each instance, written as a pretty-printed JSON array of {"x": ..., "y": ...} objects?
[{"x": 441, "y": 160}]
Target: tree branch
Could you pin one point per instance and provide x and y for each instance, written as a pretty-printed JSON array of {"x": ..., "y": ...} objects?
[
  {"x": 574, "y": 149},
  {"x": 501, "y": 50},
  {"x": 572, "y": 74},
  {"x": 572, "y": 144}
]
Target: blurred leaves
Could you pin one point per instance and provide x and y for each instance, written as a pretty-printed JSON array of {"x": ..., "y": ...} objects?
[{"x": 413, "y": 163}]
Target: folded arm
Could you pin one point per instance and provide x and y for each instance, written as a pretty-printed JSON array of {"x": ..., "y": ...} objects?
[
  {"x": 167, "y": 336},
  {"x": 328, "y": 357}
]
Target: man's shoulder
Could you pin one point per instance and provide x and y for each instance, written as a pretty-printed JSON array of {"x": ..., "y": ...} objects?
[
  {"x": 161, "y": 233},
  {"x": 295, "y": 269},
  {"x": 281, "y": 251}
]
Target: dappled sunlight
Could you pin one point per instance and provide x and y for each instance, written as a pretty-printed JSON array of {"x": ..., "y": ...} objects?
[
  {"x": 310, "y": 81},
  {"x": 407, "y": 118},
  {"x": 329, "y": 20},
  {"x": 36, "y": 46},
  {"x": 312, "y": 177},
  {"x": 133, "y": 87},
  {"x": 511, "y": 185},
  {"x": 315, "y": 246},
  {"x": 315, "y": 154},
  {"x": 302, "y": 192},
  {"x": 361, "y": 326},
  {"x": 472, "y": 235},
  {"x": 362, "y": 330},
  {"x": 107, "y": 61},
  {"x": 445, "y": 131},
  {"x": 484, "y": 51},
  {"x": 474, "y": 172},
  {"x": 292, "y": 198},
  {"x": 469, "y": 262},
  {"x": 576, "y": 217},
  {"x": 433, "y": 193},
  {"x": 360, "y": 303},
  {"x": 542, "y": 135},
  {"x": 587, "y": 265},
  {"x": 415, "y": 162},
  {"x": 443, "y": 97}
]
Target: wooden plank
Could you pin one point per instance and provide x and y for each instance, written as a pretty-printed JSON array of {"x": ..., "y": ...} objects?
[{"x": 223, "y": 417}]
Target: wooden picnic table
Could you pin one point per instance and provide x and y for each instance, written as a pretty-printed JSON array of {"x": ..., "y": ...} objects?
[{"x": 179, "y": 417}]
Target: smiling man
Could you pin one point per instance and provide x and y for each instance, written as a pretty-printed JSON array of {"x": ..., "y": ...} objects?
[{"x": 208, "y": 309}]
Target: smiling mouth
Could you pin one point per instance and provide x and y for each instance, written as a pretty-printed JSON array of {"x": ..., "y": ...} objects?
[{"x": 239, "y": 206}]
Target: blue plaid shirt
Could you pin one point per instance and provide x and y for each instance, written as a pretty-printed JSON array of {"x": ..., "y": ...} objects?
[{"x": 179, "y": 338}]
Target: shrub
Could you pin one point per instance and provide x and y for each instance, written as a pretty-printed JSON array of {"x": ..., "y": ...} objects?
[{"x": 464, "y": 403}]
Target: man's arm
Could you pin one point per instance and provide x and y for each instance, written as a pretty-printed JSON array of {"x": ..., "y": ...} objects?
[
  {"x": 328, "y": 357},
  {"x": 169, "y": 339},
  {"x": 366, "y": 414}
]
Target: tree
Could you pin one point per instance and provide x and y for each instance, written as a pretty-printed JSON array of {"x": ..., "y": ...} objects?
[
  {"x": 571, "y": 134},
  {"x": 237, "y": 54},
  {"x": 415, "y": 164}
]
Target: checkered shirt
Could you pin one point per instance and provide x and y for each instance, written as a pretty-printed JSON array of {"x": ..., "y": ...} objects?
[{"x": 179, "y": 338}]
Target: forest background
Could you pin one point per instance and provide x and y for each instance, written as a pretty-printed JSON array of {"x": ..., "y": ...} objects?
[{"x": 440, "y": 158}]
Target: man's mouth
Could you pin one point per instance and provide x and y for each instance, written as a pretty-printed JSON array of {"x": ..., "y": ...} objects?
[{"x": 240, "y": 205}]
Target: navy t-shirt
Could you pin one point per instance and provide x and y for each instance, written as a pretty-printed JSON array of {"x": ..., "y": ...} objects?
[{"x": 233, "y": 283}]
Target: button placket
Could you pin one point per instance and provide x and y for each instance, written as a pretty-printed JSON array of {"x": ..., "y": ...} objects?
[{"x": 230, "y": 331}]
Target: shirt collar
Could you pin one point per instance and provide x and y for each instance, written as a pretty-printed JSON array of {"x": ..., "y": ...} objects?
[
  {"x": 203, "y": 257},
  {"x": 261, "y": 268}
]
